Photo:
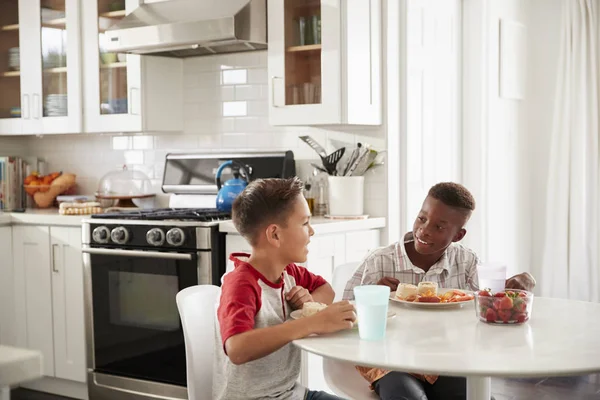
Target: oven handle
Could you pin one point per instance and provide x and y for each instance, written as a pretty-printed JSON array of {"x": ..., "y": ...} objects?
[{"x": 138, "y": 253}]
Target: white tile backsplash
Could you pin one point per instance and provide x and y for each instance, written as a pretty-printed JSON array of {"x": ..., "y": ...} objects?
[{"x": 226, "y": 108}]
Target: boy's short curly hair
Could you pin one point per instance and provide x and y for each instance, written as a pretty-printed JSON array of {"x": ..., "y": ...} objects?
[
  {"x": 453, "y": 195},
  {"x": 263, "y": 202}
]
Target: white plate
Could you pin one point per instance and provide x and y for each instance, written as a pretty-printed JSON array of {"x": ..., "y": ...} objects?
[
  {"x": 297, "y": 314},
  {"x": 434, "y": 305}
]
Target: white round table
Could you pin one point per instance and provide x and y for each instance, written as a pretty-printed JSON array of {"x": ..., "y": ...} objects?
[{"x": 561, "y": 338}]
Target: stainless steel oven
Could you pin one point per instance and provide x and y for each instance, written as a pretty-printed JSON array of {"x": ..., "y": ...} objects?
[{"x": 133, "y": 271}]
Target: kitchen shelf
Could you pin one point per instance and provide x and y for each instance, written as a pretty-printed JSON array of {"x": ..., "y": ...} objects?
[
  {"x": 9, "y": 74},
  {"x": 13, "y": 27},
  {"x": 114, "y": 14},
  {"x": 55, "y": 23},
  {"x": 308, "y": 47},
  {"x": 56, "y": 70},
  {"x": 114, "y": 65}
]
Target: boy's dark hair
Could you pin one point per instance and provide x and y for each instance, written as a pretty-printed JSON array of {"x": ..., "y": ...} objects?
[
  {"x": 453, "y": 195},
  {"x": 263, "y": 202}
]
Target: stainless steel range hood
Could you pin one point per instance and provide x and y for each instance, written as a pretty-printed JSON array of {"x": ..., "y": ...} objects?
[{"x": 188, "y": 28}]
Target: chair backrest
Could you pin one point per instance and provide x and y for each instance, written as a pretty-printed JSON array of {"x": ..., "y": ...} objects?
[
  {"x": 341, "y": 276},
  {"x": 196, "y": 305}
]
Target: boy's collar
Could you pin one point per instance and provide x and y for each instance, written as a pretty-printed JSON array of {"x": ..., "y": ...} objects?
[
  {"x": 405, "y": 264},
  {"x": 242, "y": 259}
]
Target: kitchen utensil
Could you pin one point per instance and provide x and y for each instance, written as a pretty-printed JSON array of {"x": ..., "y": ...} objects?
[
  {"x": 363, "y": 152},
  {"x": 329, "y": 161},
  {"x": 365, "y": 163},
  {"x": 352, "y": 158},
  {"x": 231, "y": 188},
  {"x": 319, "y": 168}
]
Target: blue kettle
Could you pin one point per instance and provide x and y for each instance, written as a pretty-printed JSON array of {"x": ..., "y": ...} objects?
[{"x": 231, "y": 188}]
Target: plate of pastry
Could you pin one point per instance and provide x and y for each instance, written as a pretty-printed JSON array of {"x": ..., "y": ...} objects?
[
  {"x": 312, "y": 307},
  {"x": 428, "y": 295}
]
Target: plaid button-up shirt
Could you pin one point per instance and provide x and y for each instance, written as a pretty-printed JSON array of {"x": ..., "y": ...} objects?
[{"x": 456, "y": 269}]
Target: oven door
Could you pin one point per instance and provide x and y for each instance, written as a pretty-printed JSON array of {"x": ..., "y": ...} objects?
[{"x": 132, "y": 323}]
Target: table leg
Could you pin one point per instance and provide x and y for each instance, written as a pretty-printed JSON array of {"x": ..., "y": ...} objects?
[
  {"x": 5, "y": 393},
  {"x": 479, "y": 388}
]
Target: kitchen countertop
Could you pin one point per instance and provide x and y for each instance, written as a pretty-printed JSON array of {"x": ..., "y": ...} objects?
[
  {"x": 47, "y": 216},
  {"x": 326, "y": 225}
]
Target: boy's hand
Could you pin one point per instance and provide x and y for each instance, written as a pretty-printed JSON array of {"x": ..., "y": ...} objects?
[
  {"x": 336, "y": 317},
  {"x": 297, "y": 296},
  {"x": 522, "y": 281},
  {"x": 390, "y": 282}
]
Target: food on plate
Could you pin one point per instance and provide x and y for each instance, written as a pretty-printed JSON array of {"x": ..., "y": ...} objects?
[
  {"x": 80, "y": 208},
  {"x": 312, "y": 307},
  {"x": 406, "y": 291},
  {"x": 506, "y": 307},
  {"x": 449, "y": 296},
  {"x": 427, "y": 287}
]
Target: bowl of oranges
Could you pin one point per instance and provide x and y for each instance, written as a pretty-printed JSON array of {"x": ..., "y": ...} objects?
[{"x": 45, "y": 188}]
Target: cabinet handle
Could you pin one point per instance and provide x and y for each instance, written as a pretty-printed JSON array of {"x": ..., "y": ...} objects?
[
  {"x": 54, "y": 269},
  {"x": 273, "y": 90},
  {"x": 36, "y": 106},
  {"x": 130, "y": 101},
  {"x": 25, "y": 108}
]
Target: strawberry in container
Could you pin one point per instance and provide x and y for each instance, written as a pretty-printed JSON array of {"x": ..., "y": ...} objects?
[{"x": 511, "y": 306}]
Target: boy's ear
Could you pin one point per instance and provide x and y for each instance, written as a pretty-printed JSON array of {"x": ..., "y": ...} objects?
[
  {"x": 273, "y": 235},
  {"x": 461, "y": 234}
]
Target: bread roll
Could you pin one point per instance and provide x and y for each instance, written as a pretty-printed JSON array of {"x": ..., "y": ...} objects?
[
  {"x": 312, "y": 307},
  {"x": 429, "y": 288},
  {"x": 406, "y": 291}
]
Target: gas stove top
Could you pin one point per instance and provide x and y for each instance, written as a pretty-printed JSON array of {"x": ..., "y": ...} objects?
[{"x": 168, "y": 214}]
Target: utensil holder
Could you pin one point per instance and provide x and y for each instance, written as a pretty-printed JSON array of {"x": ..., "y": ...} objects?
[{"x": 346, "y": 195}]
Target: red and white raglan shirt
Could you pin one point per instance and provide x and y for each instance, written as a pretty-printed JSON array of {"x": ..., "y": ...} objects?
[{"x": 250, "y": 301}]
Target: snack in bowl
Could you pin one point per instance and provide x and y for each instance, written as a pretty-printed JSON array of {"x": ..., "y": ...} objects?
[
  {"x": 511, "y": 306},
  {"x": 406, "y": 291},
  {"x": 312, "y": 307},
  {"x": 44, "y": 189}
]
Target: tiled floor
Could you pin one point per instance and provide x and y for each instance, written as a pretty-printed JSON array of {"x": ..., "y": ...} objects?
[{"x": 585, "y": 387}]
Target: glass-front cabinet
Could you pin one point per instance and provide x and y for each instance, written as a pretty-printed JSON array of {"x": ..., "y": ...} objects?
[
  {"x": 10, "y": 65},
  {"x": 324, "y": 61},
  {"x": 40, "y": 67}
]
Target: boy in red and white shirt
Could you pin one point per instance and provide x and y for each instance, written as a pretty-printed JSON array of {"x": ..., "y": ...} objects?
[{"x": 258, "y": 360}]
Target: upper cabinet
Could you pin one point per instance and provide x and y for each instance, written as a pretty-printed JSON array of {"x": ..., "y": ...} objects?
[
  {"x": 324, "y": 62},
  {"x": 40, "y": 78},
  {"x": 56, "y": 78},
  {"x": 126, "y": 92}
]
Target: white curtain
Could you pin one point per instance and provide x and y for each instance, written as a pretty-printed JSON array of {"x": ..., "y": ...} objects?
[{"x": 571, "y": 249}]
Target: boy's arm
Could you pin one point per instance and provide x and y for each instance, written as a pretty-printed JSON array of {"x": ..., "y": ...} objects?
[
  {"x": 258, "y": 343},
  {"x": 323, "y": 294}
]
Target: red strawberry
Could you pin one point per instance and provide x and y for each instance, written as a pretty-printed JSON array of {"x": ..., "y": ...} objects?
[
  {"x": 500, "y": 294},
  {"x": 504, "y": 315},
  {"x": 505, "y": 303},
  {"x": 520, "y": 306},
  {"x": 522, "y": 294},
  {"x": 521, "y": 317},
  {"x": 510, "y": 293},
  {"x": 490, "y": 315},
  {"x": 485, "y": 301},
  {"x": 484, "y": 293}
]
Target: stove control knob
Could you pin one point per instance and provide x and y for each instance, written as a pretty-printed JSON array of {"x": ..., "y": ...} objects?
[
  {"x": 155, "y": 237},
  {"x": 101, "y": 234},
  {"x": 119, "y": 235},
  {"x": 175, "y": 237}
]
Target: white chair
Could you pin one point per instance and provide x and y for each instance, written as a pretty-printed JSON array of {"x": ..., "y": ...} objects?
[
  {"x": 196, "y": 305},
  {"x": 341, "y": 377}
]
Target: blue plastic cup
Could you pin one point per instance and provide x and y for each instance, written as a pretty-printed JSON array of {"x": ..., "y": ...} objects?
[{"x": 371, "y": 309}]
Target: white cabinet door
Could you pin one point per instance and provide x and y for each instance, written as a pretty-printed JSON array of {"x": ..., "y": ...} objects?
[
  {"x": 304, "y": 69},
  {"x": 67, "y": 304},
  {"x": 33, "y": 288},
  {"x": 11, "y": 38},
  {"x": 126, "y": 92},
  {"x": 7, "y": 304}
]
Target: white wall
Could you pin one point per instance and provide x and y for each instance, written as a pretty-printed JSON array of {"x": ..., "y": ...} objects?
[
  {"x": 544, "y": 23},
  {"x": 494, "y": 168},
  {"x": 12, "y": 146},
  {"x": 225, "y": 109}
]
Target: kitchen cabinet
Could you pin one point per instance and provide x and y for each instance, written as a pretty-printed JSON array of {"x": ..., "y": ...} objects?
[
  {"x": 40, "y": 67},
  {"x": 54, "y": 72},
  {"x": 126, "y": 92},
  {"x": 48, "y": 298},
  {"x": 325, "y": 253},
  {"x": 324, "y": 62},
  {"x": 6, "y": 287}
]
